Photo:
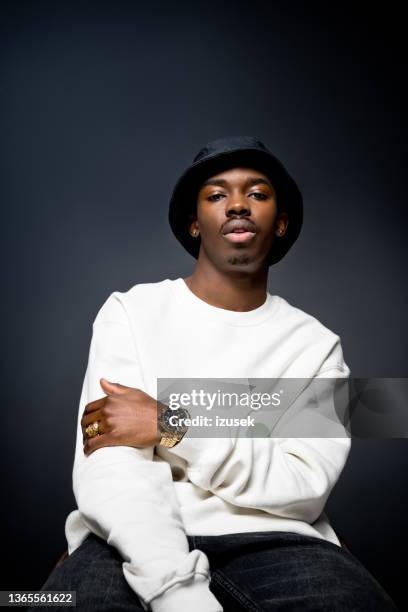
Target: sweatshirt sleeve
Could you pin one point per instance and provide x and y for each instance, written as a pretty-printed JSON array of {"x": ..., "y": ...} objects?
[
  {"x": 284, "y": 476},
  {"x": 128, "y": 499}
]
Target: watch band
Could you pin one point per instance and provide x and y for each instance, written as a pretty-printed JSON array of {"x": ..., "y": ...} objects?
[{"x": 169, "y": 440}]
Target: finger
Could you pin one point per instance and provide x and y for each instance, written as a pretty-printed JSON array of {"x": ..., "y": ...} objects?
[
  {"x": 92, "y": 444},
  {"x": 111, "y": 387},
  {"x": 102, "y": 429},
  {"x": 95, "y": 405},
  {"x": 91, "y": 417}
]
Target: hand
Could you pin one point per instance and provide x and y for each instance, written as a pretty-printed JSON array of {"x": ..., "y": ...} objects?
[{"x": 126, "y": 417}]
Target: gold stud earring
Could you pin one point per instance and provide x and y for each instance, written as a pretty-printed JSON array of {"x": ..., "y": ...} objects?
[{"x": 195, "y": 233}]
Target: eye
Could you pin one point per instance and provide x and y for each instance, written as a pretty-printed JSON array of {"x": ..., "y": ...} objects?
[
  {"x": 260, "y": 196},
  {"x": 214, "y": 195},
  {"x": 259, "y": 193}
]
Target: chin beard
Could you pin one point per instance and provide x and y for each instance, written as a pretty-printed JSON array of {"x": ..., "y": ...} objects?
[{"x": 236, "y": 260}]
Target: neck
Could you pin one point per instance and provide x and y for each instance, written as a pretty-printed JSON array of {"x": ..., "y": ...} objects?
[{"x": 239, "y": 291}]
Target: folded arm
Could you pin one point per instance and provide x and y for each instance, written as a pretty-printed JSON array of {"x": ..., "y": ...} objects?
[
  {"x": 290, "y": 477},
  {"x": 127, "y": 498}
]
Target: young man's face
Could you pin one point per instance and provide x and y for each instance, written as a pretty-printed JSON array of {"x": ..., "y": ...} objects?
[{"x": 239, "y": 194}]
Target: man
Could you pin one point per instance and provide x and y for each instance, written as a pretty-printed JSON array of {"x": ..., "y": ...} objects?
[{"x": 171, "y": 522}]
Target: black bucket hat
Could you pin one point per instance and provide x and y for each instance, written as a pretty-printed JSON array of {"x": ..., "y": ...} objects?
[{"x": 223, "y": 154}]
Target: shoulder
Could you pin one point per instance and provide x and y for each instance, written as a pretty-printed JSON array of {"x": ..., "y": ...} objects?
[
  {"x": 141, "y": 296},
  {"x": 307, "y": 331},
  {"x": 302, "y": 320}
]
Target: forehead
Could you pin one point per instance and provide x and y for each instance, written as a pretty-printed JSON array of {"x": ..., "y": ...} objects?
[{"x": 239, "y": 175}]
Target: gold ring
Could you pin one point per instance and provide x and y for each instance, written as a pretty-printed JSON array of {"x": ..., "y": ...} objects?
[{"x": 92, "y": 430}]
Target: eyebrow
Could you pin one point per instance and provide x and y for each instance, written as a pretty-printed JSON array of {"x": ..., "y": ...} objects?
[{"x": 252, "y": 180}]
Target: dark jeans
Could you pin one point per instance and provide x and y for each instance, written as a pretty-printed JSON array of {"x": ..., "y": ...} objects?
[{"x": 255, "y": 571}]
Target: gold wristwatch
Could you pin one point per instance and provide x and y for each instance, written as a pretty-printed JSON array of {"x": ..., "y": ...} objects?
[{"x": 172, "y": 432}]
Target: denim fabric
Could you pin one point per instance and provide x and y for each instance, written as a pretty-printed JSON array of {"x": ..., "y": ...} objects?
[{"x": 268, "y": 570}]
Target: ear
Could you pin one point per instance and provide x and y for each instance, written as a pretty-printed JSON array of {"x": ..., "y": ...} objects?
[
  {"x": 281, "y": 224},
  {"x": 192, "y": 223}
]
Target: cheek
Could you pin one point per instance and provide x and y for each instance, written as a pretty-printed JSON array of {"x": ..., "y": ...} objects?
[
  {"x": 209, "y": 219},
  {"x": 267, "y": 220}
]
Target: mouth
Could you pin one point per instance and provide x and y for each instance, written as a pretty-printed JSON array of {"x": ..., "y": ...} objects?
[
  {"x": 239, "y": 230},
  {"x": 239, "y": 236}
]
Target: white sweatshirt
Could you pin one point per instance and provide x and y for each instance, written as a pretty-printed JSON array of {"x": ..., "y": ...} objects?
[{"x": 144, "y": 501}]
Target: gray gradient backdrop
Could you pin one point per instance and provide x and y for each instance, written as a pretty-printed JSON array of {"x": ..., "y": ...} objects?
[{"x": 102, "y": 106}]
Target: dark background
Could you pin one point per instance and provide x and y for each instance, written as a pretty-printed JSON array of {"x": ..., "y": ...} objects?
[{"x": 103, "y": 105}]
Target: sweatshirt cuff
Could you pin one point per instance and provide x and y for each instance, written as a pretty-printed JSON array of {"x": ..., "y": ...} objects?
[{"x": 187, "y": 596}]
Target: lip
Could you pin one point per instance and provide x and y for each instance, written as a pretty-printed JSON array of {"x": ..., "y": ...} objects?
[
  {"x": 246, "y": 233},
  {"x": 238, "y": 224},
  {"x": 239, "y": 236}
]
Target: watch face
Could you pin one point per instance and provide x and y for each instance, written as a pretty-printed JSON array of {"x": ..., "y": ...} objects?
[{"x": 172, "y": 420}]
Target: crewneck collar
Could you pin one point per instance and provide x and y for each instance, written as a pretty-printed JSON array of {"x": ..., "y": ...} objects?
[{"x": 229, "y": 317}]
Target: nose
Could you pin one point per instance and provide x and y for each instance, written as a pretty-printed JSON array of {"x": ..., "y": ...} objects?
[{"x": 238, "y": 207}]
